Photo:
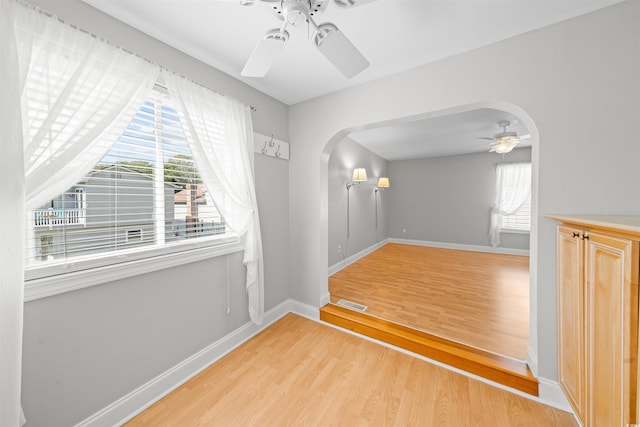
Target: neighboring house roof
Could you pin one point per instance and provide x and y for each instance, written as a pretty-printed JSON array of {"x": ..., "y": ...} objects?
[{"x": 181, "y": 196}]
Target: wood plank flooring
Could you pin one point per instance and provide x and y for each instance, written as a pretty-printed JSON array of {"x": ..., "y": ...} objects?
[
  {"x": 300, "y": 372},
  {"x": 475, "y": 298}
]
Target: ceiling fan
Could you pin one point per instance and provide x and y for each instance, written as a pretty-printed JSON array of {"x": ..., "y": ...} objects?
[
  {"x": 504, "y": 141},
  {"x": 329, "y": 40}
]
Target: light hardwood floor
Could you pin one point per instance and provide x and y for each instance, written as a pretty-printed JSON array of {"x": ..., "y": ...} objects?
[
  {"x": 475, "y": 298},
  {"x": 300, "y": 372}
]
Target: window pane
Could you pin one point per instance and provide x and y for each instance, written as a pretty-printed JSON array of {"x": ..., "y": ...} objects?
[
  {"x": 146, "y": 191},
  {"x": 514, "y": 186}
]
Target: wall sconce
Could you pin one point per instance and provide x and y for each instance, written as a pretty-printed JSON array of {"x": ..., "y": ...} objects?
[
  {"x": 359, "y": 175},
  {"x": 383, "y": 182}
]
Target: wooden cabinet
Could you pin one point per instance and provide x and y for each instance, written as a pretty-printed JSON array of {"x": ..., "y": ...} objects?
[
  {"x": 598, "y": 319},
  {"x": 571, "y": 348}
]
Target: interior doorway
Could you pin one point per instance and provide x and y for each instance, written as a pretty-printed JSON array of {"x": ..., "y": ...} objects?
[{"x": 501, "y": 282}]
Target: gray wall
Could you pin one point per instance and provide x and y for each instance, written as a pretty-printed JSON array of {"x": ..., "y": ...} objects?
[
  {"x": 448, "y": 199},
  {"x": 85, "y": 349},
  {"x": 567, "y": 82},
  {"x": 363, "y": 233}
]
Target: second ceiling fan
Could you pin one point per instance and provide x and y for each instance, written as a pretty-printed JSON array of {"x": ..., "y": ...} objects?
[{"x": 329, "y": 40}]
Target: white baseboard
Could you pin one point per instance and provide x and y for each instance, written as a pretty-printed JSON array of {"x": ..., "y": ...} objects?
[
  {"x": 325, "y": 299},
  {"x": 144, "y": 396},
  {"x": 305, "y": 310},
  {"x": 355, "y": 257},
  {"x": 532, "y": 360},
  {"x": 460, "y": 246},
  {"x": 551, "y": 394}
]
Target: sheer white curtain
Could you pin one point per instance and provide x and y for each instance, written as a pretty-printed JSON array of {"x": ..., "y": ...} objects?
[
  {"x": 220, "y": 135},
  {"x": 79, "y": 95},
  {"x": 513, "y": 188},
  {"x": 11, "y": 220},
  {"x": 65, "y": 97}
]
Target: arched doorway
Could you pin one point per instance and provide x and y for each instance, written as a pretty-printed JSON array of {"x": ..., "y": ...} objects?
[{"x": 530, "y": 126}]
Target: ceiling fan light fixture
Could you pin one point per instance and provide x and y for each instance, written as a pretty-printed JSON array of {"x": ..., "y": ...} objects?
[
  {"x": 265, "y": 53},
  {"x": 335, "y": 46},
  {"x": 504, "y": 145}
]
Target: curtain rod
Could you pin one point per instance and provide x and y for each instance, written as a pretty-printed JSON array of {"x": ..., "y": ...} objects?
[{"x": 38, "y": 9}]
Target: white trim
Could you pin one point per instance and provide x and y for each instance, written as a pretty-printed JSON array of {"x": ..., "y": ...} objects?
[
  {"x": 130, "y": 405},
  {"x": 304, "y": 310},
  {"x": 325, "y": 299},
  {"x": 58, "y": 284},
  {"x": 549, "y": 391},
  {"x": 514, "y": 231},
  {"x": 532, "y": 360},
  {"x": 462, "y": 247},
  {"x": 355, "y": 257},
  {"x": 551, "y": 394}
]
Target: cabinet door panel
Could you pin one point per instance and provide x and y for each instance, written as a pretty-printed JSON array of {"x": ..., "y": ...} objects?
[
  {"x": 609, "y": 313},
  {"x": 571, "y": 348}
]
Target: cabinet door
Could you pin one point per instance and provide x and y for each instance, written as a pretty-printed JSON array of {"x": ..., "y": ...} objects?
[
  {"x": 571, "y": 347},
  {"x": 611, "y": 312}
]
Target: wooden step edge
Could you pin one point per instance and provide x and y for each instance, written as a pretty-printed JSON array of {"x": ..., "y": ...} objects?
[
  {"x": 500, "y": 362},
  {"x": 505, "y": 371}
]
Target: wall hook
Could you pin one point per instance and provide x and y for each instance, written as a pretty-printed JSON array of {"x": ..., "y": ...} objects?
[
  {"x": 278, "y": 152},
  {"x": 271, "y": 143},
  {"x": 264, "y": 149}
]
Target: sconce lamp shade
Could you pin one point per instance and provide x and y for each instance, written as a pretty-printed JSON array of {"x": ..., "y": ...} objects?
[
  {"x": 359, "y": 175},
  {"x": 383, "y": 182}
]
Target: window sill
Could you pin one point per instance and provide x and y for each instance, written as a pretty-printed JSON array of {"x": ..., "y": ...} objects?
[
  {"x": 508, "y": 231},
  {"x": 62, "y": 282}
]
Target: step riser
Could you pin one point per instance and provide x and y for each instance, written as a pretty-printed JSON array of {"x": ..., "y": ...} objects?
[{"x": 436, "y": 351}]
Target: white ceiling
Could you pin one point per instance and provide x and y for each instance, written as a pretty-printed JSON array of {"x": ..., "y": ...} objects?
[
  {"x": 394, "y": 35},
  {"x": 448, "y": 135}
]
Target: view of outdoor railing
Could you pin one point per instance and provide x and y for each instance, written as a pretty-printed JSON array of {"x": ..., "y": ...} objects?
[{"x": 54, "y": 217}]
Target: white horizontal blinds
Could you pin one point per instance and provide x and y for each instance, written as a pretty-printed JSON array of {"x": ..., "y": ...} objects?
[
  {"x": 516, "y": 188},
  {"x": 519, "y": 221},
  {"x": 146, "y": 191}
]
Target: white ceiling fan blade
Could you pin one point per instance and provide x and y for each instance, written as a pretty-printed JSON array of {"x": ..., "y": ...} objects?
[
  {"x": 488, "y": 138},
  {"x": 526, "y": 136},
  {"x": 265, "y": 53},
  {"x": 351, "y": 3},
  {"x": 337, "y": 48}
]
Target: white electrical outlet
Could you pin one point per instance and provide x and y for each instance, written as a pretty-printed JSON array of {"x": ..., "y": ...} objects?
[
  {"x": 404, "y": 231},
  {"x": 339, "y": 248}
]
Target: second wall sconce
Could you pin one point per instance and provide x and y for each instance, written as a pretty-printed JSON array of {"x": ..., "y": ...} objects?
[
  {"x": 359, "y": 175},
  {"x": 383, "y": 183}
]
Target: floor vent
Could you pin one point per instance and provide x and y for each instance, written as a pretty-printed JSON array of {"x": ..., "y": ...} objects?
[{"x": 352, "y": 305}]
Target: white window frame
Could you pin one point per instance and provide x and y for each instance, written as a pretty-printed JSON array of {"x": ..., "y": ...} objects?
[
  {"x": 82, "y": 272},
  {"x": 56, "y": 277}
]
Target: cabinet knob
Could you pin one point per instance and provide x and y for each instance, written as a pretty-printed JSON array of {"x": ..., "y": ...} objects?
[{"x": 575, "y": 234}]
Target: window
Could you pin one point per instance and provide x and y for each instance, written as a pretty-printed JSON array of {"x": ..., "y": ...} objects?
[
  {"x": 515, "y": 183},
  {"x": 145, "y": 193},
  {"x": 520, "y": 220}
]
